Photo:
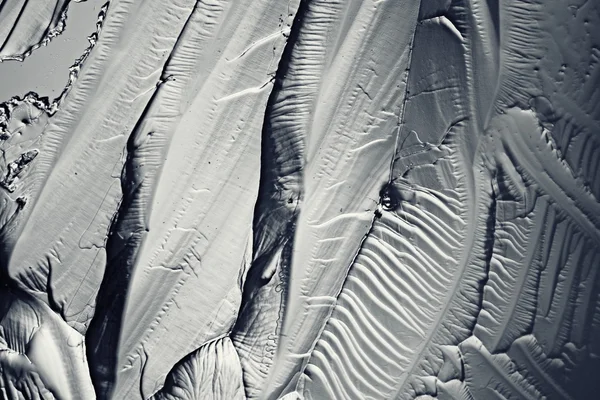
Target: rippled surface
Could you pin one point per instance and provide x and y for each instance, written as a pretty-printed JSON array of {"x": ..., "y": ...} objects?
[{"x": 300, "y": 199}]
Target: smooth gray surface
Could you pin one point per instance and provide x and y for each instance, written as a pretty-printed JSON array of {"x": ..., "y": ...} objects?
[{"x": 46, "y": 70}]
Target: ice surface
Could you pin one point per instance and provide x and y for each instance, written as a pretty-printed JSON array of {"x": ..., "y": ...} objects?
[
  {"x": 302, "y": 199},
  {"x": 55, "y": 57}
]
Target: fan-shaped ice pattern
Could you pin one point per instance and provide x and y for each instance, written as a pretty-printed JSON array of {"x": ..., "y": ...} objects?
[
  {"x": 40, "y": 355},
  {"x": 305, "y": 199},
  {"x": 211, "y": 372}
]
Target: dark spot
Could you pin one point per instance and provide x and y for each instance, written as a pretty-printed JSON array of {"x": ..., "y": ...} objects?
[
  {"x": 290, "y": 200},
  {"x": 390, "y": 197},
  {"x": 377, "y": 214}
]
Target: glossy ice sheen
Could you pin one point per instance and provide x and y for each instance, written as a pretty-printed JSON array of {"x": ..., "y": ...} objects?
[
  {"x": 306, "y": 199},
  {"x": 46, "y": 70}
]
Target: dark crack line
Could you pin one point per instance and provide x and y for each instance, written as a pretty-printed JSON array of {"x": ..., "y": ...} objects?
[
  {"x": 377, "y": 212},
  {"x": 287, "y": 241}
]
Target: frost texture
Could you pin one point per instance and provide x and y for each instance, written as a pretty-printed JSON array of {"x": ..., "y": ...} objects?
[{"x": 305, "y": 199}]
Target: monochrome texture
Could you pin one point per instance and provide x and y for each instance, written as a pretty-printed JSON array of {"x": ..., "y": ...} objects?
[{"x": 302, "y": 199}]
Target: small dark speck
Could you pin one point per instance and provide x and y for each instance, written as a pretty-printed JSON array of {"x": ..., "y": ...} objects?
[
  {"x": 290, "y": 200},
  {"x": 341, "y": 209},
  {"x": 377, "y": 214}
]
